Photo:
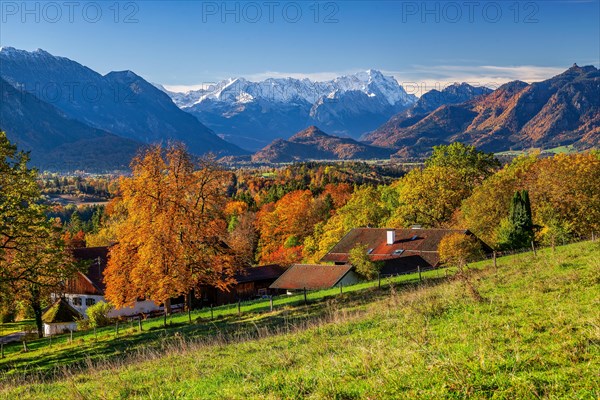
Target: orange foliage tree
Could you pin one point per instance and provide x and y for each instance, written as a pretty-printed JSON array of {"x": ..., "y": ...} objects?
[
  {"x": 173, "y": 238},
  {"x": 284, "y": 225}
]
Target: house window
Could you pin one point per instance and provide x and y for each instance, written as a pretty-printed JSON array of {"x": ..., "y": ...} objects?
[
  {"x": 90, "y": 302},
  {"x": 398, "y": 252},
  {"x": 76, "y": 301},
  {"x": 370, "y": 251}
]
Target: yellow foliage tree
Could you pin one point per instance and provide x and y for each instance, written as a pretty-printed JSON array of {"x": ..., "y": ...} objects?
[
  {"x": 172, "y": 239},
  {"x": 490, "y": 203},
  {"x": 458, "y": 249}
]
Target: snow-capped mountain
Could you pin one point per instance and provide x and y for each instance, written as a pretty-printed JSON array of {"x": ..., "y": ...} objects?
[
  {"x": 252, "y": 114},
  {"x": 289, "y": 90}
]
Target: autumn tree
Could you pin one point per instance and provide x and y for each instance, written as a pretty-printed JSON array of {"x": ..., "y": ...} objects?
[
  {"x": 243, "y": 235},
  {"x": 489, "y": 203},
  {"x": 33, "y": 261},
  {"x": 432, "y": 196},
  {"x": 283, "y": 225},
  {"x": 473, "y": 164},
  {"x": 173, "y": 238},
  {"x": 567, "y": 184},
  {"x": 363, "y": 265},
  {"x": 114, "y": 214},
  {"x": 363, "y": 209}
]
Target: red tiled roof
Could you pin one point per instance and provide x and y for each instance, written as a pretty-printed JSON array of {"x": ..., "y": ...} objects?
[
  {"x": 97, "y": 258},
  {"x": 309, "y": 276},
  {"x": 412, "y": 247},
  {"x": 260, "y": 273}
]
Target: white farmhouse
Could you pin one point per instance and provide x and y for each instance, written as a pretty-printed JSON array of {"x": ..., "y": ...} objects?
[{"x": 87, "y": 288}]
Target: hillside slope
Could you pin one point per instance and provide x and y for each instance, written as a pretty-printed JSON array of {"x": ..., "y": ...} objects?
[
  {"x": 430, "y": 101},
  {"x": 563, "y": 110},
  {"x": 57, "y": 142},
  {"x": 314, "y": 144},
  {"x": 535, "y": 335}
]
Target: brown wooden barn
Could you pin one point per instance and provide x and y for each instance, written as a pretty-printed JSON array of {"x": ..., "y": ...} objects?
[{"x": 252, "y": 283}]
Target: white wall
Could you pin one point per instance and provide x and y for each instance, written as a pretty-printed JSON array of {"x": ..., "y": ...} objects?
[
  {"x": 138, "y": 307},
  {"x": 58, "y": 328},
  {"x": 350, "y": 278}
]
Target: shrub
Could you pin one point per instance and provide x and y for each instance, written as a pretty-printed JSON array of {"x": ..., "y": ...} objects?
[{"x": 98, "y": 314}]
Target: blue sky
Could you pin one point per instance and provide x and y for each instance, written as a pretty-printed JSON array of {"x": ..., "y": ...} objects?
[{"x": 191, "y": 43}]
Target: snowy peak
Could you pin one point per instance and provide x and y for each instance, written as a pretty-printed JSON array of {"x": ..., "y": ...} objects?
[{"x": 290, "y": 90}]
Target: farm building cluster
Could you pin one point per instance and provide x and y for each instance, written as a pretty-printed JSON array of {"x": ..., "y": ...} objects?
[{"x": 399, "y": 251}]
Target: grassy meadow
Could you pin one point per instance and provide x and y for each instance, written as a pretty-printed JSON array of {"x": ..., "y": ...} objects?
[{"x": 535, "y": 334}]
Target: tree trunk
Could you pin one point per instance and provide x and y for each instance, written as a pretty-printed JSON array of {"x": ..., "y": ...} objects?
[
  {"x": 188, "y": 301},
  {"x": 36, "y": 305}
]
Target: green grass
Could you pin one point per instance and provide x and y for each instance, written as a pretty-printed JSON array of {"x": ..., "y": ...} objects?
[
  {"x": 536, "y": 334},
  {"x": 25, "y": 325},
  {"x": 569, "y": 149},
  {"x": 46, "y": 355}
]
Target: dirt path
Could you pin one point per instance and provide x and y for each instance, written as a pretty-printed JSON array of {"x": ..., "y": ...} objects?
[{"x": 13, "y": 337}]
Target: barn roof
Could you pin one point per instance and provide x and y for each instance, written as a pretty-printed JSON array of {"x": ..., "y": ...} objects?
[
  {"x": 411, "y": 248},
  {"x": 260, "y": 273},
  {"x": 97, "y": 258},
  {"x": 59, "y": 312},
  {"x": 311, "y": 276}
]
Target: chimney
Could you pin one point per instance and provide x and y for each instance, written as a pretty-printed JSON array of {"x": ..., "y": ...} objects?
[{"x": 391, "y": 236}]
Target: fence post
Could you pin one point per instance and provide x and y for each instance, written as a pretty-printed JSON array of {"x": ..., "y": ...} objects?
[
  {"x": 239, "y": 306},
  {"x": 271, "y": 302},
  {"x": 190, "y": 315},
  {"x": 419, "y": 269},
  {"x": 25, "y": 346},
  {"x": 117, "y": 328},
  {"x": 341, "y": 288},
  {"x": 140, "y": 324},
  {"x": 211, "y": 312},
  {"x": 50, "y": 340},
  {"x": 2, "y": 350},
  {"x": 533, "y": 247},
  {"x": 71, "y": 336},
  {"x": 305, "y": 295},
  {"x": 379, "y": 280},
  {"x": 495, "y": 261}
]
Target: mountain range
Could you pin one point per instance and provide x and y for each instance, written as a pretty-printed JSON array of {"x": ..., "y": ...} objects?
[
  {"x": 120, "y": 103},
  {"x": 55, "y": 141},
  {"x": 71, "y": 117},
  {"x": 254, "y": 113},
  {"x": 314, "y": 144},
  {"x": 563, "y": 110}
]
